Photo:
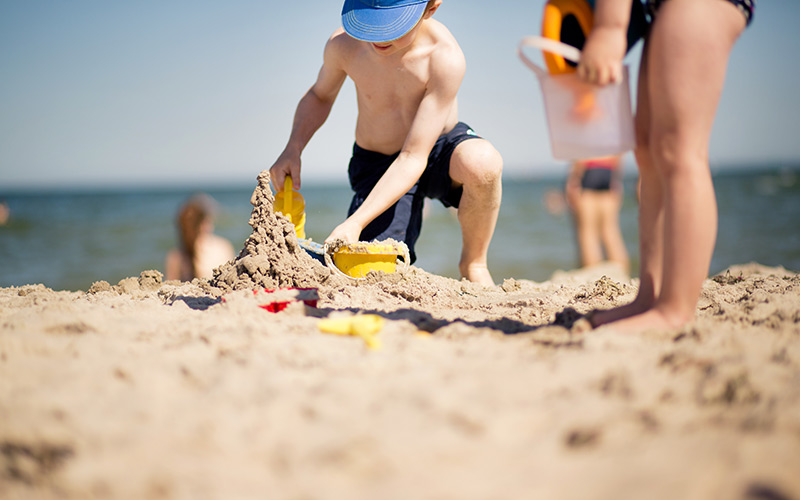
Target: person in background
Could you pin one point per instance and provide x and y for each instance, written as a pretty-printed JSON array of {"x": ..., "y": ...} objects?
[
  {"x": 681, "y": 77},
  {"x": 5, "y": 212},
  {"x": 594, "y": 195},
  {"x": 200, "y": 250}
]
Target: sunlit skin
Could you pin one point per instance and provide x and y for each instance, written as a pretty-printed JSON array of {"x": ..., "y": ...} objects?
[
  {"x": 406, "y": 92},
  {"x": 400, "y": 44},
  {"x": 596, "y": 215},
  {"x": 680, "y": 82}
]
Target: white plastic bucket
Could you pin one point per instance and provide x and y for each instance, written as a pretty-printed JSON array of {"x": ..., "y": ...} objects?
[{"x": 584, "y": 120}]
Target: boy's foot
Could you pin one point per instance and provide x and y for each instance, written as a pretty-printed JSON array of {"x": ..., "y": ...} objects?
[{"x": 478, "y": 273}]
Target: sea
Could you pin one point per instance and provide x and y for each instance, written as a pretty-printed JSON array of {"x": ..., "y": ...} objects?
[{"x": 68, "y": 239}]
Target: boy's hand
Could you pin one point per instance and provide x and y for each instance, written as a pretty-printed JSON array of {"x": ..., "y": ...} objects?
[
  {"x": 288, "y": 163},
  {"x": 601, "y": 58},
  {"x": 348, "y": 231}
]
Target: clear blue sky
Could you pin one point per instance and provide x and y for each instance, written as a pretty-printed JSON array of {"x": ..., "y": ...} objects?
[{"x": 154, "y": 92}]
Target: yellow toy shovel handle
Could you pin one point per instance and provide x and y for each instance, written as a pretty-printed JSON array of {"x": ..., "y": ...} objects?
[{"x": 288, "y": 195}]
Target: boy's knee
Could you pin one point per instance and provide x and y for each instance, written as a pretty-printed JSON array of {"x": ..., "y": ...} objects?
[{"x": 477, "y": 162}]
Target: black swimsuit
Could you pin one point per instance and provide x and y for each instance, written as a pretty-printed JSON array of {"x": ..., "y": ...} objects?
[
  {"x": 403, "y": 220},
  {"x": 745, "y": 6}
]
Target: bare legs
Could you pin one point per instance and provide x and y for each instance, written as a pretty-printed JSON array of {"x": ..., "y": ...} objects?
[
  {"x": 681, "y": 79},
  {"x": 587, "y": 227},
  {"x": 597, "y": 227},
  {"x": 610, "y": 232},
  {"x": 477, "y": 166}
]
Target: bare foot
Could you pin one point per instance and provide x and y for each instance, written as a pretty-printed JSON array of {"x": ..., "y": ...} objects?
[
  {"x": 652, "y": 319},
  {"x": 602, "y": 317},
  {"x": 478, "y": 273}
]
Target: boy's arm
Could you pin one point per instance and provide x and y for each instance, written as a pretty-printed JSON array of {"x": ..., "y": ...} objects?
[
  {"x": 312, "y": 111},
  {"x": 601, "y": 58},
  {"x": 447, "y": 71}
]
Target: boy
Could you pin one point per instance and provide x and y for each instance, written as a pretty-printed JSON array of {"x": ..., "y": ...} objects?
[{"x": 409, "y": 144}]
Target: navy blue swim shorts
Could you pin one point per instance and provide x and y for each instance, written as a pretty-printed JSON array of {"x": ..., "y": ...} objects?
[
  {"x": 403, "y": 220},
  {"x": 597, "y": 179},
  {"x": 745, "y": 6}
]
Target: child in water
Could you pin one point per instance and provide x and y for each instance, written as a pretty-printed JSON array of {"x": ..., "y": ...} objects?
[
  {"x": 594, "y": 193},
  {"x": 200, "y": 250},
  {"x": 681, "y": 76}
]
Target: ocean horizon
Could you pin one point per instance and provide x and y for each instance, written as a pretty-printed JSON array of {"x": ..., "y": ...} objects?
[{"x": 68, "y": 238}]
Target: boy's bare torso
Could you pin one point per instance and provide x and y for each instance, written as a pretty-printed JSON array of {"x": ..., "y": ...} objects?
[{"x": 390, "y": 88}]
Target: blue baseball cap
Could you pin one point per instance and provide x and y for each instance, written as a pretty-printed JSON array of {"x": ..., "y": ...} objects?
[{"x": 381, "y": 20}]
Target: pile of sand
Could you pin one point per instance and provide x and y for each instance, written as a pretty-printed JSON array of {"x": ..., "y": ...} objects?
[{"x": 271, "y": 257}]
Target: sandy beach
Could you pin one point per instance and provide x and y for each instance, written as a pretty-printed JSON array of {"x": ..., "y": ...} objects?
[{"x": 148, "y": 389}]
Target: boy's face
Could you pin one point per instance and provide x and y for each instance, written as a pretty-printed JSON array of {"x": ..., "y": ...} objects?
[{"x": 394, "y": 46}]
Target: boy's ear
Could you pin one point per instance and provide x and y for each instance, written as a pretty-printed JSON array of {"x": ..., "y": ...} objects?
[{"x": 432, "y": 8}]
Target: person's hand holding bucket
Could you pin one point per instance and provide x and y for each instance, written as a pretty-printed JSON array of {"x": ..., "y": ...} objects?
[
  {"x": 601, "y": 57},
  {"x": 584, "y": 120},
  {"x": 348, "y": 232}
]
